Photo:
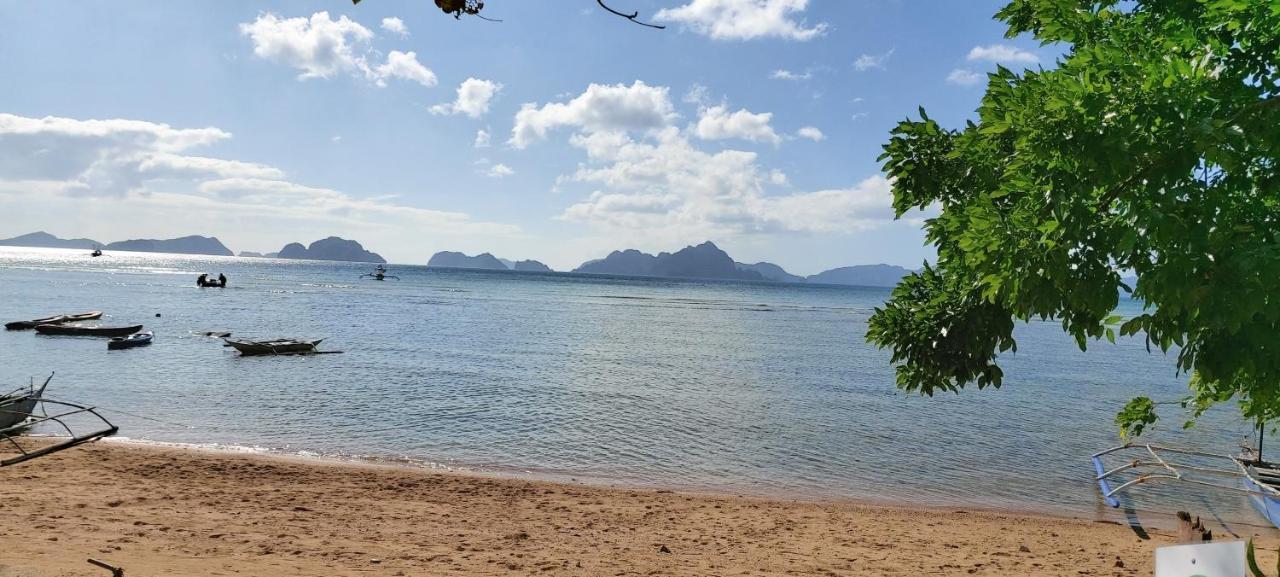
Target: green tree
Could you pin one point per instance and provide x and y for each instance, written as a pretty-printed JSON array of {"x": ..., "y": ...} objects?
[{"x": 1151, "y": 148}]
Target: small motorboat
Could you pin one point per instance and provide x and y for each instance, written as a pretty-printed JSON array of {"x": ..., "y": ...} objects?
[
  {"x": 83, "y": 331},
  {"x": 134, "y": 340},
  {"x": 273, "y": 346},
  {"x": 96, "y": 252},
  {"x": 53, "y": 320}
]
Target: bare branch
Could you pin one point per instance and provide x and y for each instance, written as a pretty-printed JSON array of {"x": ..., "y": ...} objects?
[{"x": 632, "y": 16}]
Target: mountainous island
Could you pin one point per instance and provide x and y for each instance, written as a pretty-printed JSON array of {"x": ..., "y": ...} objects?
[
  {"x": 708, "y": 261},
  {"x": 193, "y": 244},
  {"x": 702, "y": 261},
  {"x": 771, "y": 272},
  {"x": 43, "y": 239},
  {"x": 862, "y": 275},
  {"x": 484, "y": 261},
  {"x": 331, "y": 248}
]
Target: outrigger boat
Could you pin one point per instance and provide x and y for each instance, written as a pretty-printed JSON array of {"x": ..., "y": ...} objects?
[
  {"x": 1244, "y": 474},
  {"x": 379, "y": 273},
  {"x": 274, "y": 346},
  {"x": 53, "y": 320},
  {"x": 27, "y": 408}
]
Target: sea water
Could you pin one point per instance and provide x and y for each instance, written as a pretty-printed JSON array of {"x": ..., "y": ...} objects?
[{"x": 747, "y": 388}]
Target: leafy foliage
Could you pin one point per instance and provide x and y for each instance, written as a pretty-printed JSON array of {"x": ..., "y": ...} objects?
[{"x": 1151, "y": 147}]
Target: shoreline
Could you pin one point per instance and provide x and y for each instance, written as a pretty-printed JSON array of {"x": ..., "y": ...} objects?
[
  {"x": 1158, "y": 520},
  {"x": 184, "y": 511}
]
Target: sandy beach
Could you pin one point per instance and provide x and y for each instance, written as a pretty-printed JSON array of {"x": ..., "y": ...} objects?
[{"x": 167, "y": 511}]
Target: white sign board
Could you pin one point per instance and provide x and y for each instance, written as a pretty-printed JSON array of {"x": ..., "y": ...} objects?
[{"x": 1202, "y": 560}]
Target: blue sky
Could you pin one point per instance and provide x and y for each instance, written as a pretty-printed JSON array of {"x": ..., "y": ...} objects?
[{"x": 268, "y": 122}]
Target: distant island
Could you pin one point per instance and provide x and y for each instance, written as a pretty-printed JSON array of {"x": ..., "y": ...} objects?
[
  {"x": 43, "y": 239},
  {"x": 185, "y": 245},
  {"x": 249, "y": 254},
  {"x": 771, "y": 272},
  {"x": 862, "y": 275},
  {"x": 193, "y": 244},
  {"x": 484, "y": 261},
  {"x": 530, "y": 266},
  {"x": 709, "y": 262},
  {"x": 331, "y": 248},
  {"x": 702, "y": 261}
]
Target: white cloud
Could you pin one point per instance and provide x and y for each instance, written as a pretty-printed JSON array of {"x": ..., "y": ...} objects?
[
  {"x": 671, "y": 186},
  {"x": 964, "y": 77},
  {"x": 146, "y": 167},
  {"x": 1002, "y": 53},
  {"x": 482, "y": 139},
  {"x": 602, "y": 108},
  {"x": 869, "y": 61},
  {"x": 717, "y": 123},
  {"x": 789, "y": 75},
  {"x": 500, "y": 171},
  {"x": 697, "y": 94},
  {"x": 812, "y": 133},
  {"x": 744, "y": 19},
  {"x": 474, "y": 96},
  {"x": 404, "y": 65},
  {"x": 321, "y": 47},
  {"x": 395, "y": 26}
]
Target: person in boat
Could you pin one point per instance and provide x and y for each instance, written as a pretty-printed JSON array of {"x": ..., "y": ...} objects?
[
  {"x": 222, "y": 280},
  {"x": 200, "y": 280}
]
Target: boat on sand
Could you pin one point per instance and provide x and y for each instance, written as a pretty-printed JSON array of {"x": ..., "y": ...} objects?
[
  {"x": 134, "y": 340},
  {"x": 53, "y": 320},
  {"x": 83, "y": 331},
  {"x": 1244, "y": 474},
  {"x": 27, "y": 408},
  {"x": 274, "y": 346}
]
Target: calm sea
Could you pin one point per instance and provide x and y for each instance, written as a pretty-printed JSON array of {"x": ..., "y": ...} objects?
[{"x": 748, "y": 388}]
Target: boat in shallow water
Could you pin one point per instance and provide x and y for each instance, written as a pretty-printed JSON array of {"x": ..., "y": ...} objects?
[
  {"x": 274, "y": 346},
  {"x": 1245, "y": 474},
  {"x": 82, "y": 331},
  {"x": 53, "y": 320},
  {"x": 134, "y": 340}
]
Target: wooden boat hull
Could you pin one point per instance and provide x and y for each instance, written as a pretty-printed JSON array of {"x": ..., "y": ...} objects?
[
  {"x": 74, "y": 331},
  {"x": 134, "y": 340},
  {"x": 53, "y": 320},
  {"x": 16, "y": 409},
  {"x": 274, "y": 347},
  {"x": 1262, "y": 495}
]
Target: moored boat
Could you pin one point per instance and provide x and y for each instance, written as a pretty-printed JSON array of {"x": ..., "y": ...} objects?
[
  {"x": 274, "y": 346},
  {"x": 82, "y": 331},
  {"x": 134, "y": 340},
  {"x": 53, "y": 320}
]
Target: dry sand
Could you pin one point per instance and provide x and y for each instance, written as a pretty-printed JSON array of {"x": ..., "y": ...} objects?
[{"x": 165, "y": 511}]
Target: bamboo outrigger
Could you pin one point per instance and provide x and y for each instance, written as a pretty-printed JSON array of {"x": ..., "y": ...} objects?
[
  {"x": 1245, "y": 474},
  {"x": 27, "y": 408}
]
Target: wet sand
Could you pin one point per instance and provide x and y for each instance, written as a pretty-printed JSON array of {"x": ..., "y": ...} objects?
[{"x": 167, "y": 511}]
